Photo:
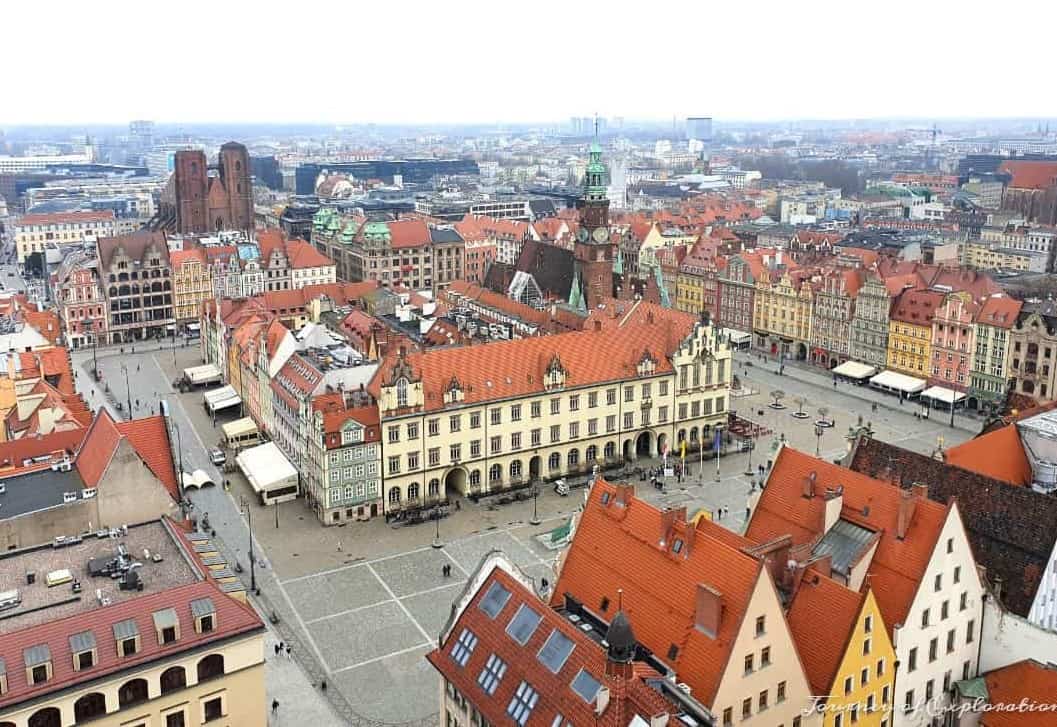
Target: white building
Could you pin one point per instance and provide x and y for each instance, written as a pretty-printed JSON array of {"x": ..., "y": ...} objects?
[{"x": 34, "y": 232}]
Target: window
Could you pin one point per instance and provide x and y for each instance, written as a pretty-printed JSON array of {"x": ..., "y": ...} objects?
[
  {"x": 779, "y": 695},
  {"x": 556, "y": 406},
  {"x": 629, "y": 420},
  {"x": 394, "y": 435},
  {"x": 748, "y": 663},
  {"x": 629, "y": 393},
  {"x": 412, "y": 430},
  {"x": 491, "y": 674},
  {"x": 937, "y": 583},
  {"x": 885, "y": 694},
  {"x": 175, "y": 719},
  {"x": 611, "y": 423},
  {"x": 412, "y": 461},
  {"x": 592, "y": 399},
  {"x": 963, "y": 601},
  {"x": 455, "y": 452},
  {"x": 585, "y": 685},
  {"x": 868, "y": 624},
  {"x": 928, "y": 689},
  {"x": 475, "y": 420},
  {"x": 762, "y": 702},
  {"x": 864, "y": 676},
  {"x": 765, "y": 656},
  {"x": 950, "y": 545},
  {"x": 212, "y": 709},
  {"x": 495, "y": 445},
  {"x": 535, "y": 409},
  {"x": 515, "y": 413},
  {"x": 210, "y": 667},
  {"x": 433, "y": 427},
  {"x": 746, "y": 708},
  {"x": 957, "y": 574},
  {"x": 555, "y": 651},
  {"x": 535, "y": 437},
  {"x": 933, "y": 650},
  {"x": 728, "y": 717},
  {"x": 556, "y": 433},
  {"x": 522, "y": 703},
  {"x": 574, "y": 403},
  {"x": 965, "y": 670},
  {"x": 947, "y": 681},
  {"x": 912, "y": 659},
  {"x": 574, "y": 430},
  {"x": 924, "y": 618},
  {"x": 611, "y": 396},
  {"x": 475, "y": 448},
  {"x": 394, "y": 465},
  {"x": 970, "y": 629},
  {"x": 454, "y": 423},
  {"x": 908, "y": 701},
  {"x": 838, "y": 720},
  {"x": 866, "y": 647},
  {"x": 849, "y": 683},
  {"x": 761, "y": 625},
  {"x": 880, "y": 667},
  {"x": 495, "y": 416},
  {"x": 515, "y": 440},
  {"x": 524, "y": 623}
]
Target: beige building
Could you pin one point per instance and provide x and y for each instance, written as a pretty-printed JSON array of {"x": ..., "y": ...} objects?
[
  {"x": 159, "y": 644},
  {"x": 989, "y": 256},
  {"x": 34, "y": 232},
  {"x": 480, "y": 419}
]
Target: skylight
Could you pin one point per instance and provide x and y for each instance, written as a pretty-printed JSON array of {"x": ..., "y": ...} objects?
[
  {"x": 555, "y": 651},
  {"x": 494, "y": 600},
  {"x": 586, "y": 686},
  {"x": 523, "y": 624},
  {"x": 460, "y": 653}
]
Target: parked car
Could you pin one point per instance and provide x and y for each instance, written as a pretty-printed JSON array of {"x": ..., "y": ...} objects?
[{"x": 217, "y": 456}]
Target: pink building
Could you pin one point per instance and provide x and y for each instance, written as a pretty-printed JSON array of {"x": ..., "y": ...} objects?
[
  {"x": 952, "y": 341},
  {"x": 80, "y": 301}
]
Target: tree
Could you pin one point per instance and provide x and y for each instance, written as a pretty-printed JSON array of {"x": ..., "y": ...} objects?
[
  {"x": 777, "y": 395},
  {"x": 823, "y": 413},
  {"x": 800, "y": 404}
]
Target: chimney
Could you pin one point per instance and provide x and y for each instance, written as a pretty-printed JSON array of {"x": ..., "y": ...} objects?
[
  {"x": 602, "y": 700},
  {"x": 920, "y": 490},
  {"x": 668, "y": 519},
  {"x": 907, "y": 503},
  {"x": 834, "y": 503},
  {"x": 809, "y": 485},
  {"x": 708, "y": 614},
  {"x": 625, "y": 493},
  {"x": 823, "y": 564},
  {"x": 598, "y": 325}
]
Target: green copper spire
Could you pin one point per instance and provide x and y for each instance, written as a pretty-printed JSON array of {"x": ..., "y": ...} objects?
[
  {"x": 618, "y": 262},
  {"x": 595, "y": 175},
  {"x": 666, "y": 300},
  {"x": 576, "y": 299}
]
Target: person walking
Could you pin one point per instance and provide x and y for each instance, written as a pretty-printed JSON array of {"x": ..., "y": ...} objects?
[
  {"x": 288, "y": 650},
  {"x": 275, "y": 706}
]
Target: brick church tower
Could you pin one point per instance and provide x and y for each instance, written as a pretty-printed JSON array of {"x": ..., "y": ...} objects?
[
  {"x": 594, "y": 250},
  {"x": 235, "y": 174},
  {"x": 191, "y": 180}
]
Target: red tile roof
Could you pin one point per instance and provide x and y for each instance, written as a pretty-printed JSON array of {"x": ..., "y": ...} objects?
[
  {"x": 1030, "y": 174},
  {"x": 998, "y": 454},
  {"x": 1030, "y": 680},
  {"x": 999, "y": 311},
  {"x": 897, "y": 566},
  {"x": 409, "y": 233},
  {"x": 149, "y": 437},
  {"x": 622, "y": 551},
  {"x": 97, "y": 448},
  {"x": 63, "y": 218},
  {"x": 179, "y": 257},
  {"x": 302, "y": 255},
  {"x": 822, "y": 619},
  {"x": 57, "y": 444},
  {"x": 916, "y": 307},
  {"x": 628, "y": 696},
  {"x": 336, "y": 412}
]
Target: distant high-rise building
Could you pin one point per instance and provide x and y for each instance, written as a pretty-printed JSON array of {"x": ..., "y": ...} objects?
[
  {"x": 699, "y": 128},
  {"x": 141, "y": 135}
]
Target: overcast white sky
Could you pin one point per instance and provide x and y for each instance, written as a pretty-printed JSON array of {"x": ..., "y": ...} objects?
[{"x": 74, "y": 62}]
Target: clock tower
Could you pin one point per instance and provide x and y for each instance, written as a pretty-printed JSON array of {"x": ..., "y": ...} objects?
[{"x": 594, "y": 249}]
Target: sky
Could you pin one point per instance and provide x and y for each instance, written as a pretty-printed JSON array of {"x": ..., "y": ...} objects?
[{"x": 340, "y": 62}]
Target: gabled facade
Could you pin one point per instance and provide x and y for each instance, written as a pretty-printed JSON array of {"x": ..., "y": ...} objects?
[
  {"x": 783, "y": 314},
  {"x": 832, "y": 314},
  {"x": 343, "y": 473},
  {"x": 910, "y": 332},
  {"x": 989, "y": 373},
  {"x": 737, "y": 290},
  {"x": 953, "y": 342},
  {"x": 869, "y": 324},
  {"x": 1032, "y": 353}
]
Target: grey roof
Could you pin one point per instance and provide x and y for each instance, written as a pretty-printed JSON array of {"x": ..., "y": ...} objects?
[
  {"x": 211, "y": 560},
  {"x": 202, "y": 607},
  {"x": 83, "y": 641},
  {"x": 542, "y": 207},
  {"x": 844, "y": 542},
  {"x": 37, "y": 491},
  {"x": 444, "y": 234},
  {"x": 36, "y": 655},
  {"x": 165, "y": 618},
  {"x": 126, "y": 629},
  {"x": 232, "y": 586}
]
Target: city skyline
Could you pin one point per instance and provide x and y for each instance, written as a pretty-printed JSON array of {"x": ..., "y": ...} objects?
[{"x": 453, "y": 67}]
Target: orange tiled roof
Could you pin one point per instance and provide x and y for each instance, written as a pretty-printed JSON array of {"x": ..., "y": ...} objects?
[
  {"x": 63, "y": 218},
  {"x": 302, "y": 255},
  {"x": 821, "y": 619},
  {"x": 409, "y": 233},
  {"x": 1030, "y": 680},
  {"x": 1000, "y": 311},
  {"x": 148, "y": 436},
  {"x": 1030, "y": 174},
  {"x": 620, "y": 552},
  {"x": 897, "y": 566},
  {"x": 916, "y": 307},
  {"x": 998, "y": 454}
]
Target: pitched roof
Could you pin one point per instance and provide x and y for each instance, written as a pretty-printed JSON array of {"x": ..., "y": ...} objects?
[
  {"x": 97, "y": 448},
  {"x": 1025, "y": 680},
  {"x": 16, "y": 451},
  {"x": 1029, "y": 174},
  {"x": 998, "y": 454},
  {"x": 557, "y": 703},
  {"x": 898, "y": 564},
  {"x": 821, "y": 619},
  {"x": 1012, "y": 530},
  {"x": 1000, "y": 311},
  {"x": 147, "y": 436},
  {"x": 622, "y": 545},
  {"x": 302, "y": 255},
  {"x": 916, "y": 306},
  {"x": 409, "y": 233},
  {"x": 66, "y": 218},
  {"x": 134, "y": 244}
]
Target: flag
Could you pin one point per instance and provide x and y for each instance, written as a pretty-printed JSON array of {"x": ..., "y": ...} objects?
[
  {"x": 682, "y": 449},
  {"x": 717, "y": 439}
]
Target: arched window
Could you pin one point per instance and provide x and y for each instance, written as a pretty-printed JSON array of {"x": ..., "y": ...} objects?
[
  {"x": 401, "y": 393},
  {"x": 113, "y": 278},
  {"x": 475, "y": 478},
  {"x": 434, "y": 487},
  {"x": 574, "y": 457},
  {"x": 131, "y": 692},
  {"x": 238, "y": 166},
  {"x": 515, "y": 469},
  {"x": 412, "y": 491},
  {"x": 554, "y": 461},
  {"x": 123, "y": 277},
  {"x": 113, "y": 291},
  {"x": 210, "y": 667},
  {"x": 123, "y": 290},
  {"x": 693, "y": 434},
  {"x": 495, "y": 473},
  {"x": 394, "y": 495},
  {"x": 681, "y": 436},
  {"x": 47, "y": 717},
  {"x": 89, "y": 706},
  {"x": 172, "y": 679},
  {"x": 135, "y": 289},
  {"x": 611, "y": 450}
]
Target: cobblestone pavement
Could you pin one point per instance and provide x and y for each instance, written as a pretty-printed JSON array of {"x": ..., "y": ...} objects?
[{"x": 361, "y": 604}]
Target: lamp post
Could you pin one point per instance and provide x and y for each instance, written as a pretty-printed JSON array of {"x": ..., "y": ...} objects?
[
  {"x": 253, "y": 558},
  {"x": 719, "y": 446},
  {"x": 179, "y": 444},
  {"x": 819, "y": 429},
  {"x": 128, "y": 391},
  {"x": 437, "y": 543},
  {"x": 535, "y": 513},
  {"x": 953, "y": 402}
]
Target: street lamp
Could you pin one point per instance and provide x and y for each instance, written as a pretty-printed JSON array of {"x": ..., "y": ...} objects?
[
  {"x": 535, "y": 513},
  {"x": 819, "y": 430},
  {"x": 128, "y": 391},
  {"x": 752, "y": 445},
  {"x": 719, "y": 446},
  {"x": 253, "y": 559},
  {"x": 437, "y": 543}
]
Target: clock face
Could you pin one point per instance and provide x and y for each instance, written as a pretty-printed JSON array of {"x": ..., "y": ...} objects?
[
  {"x": 582, "y": 234},
  {"x": 601, "y": 234}
]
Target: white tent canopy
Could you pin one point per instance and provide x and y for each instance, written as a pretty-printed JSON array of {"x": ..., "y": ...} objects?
[
  {"x": 940, "y": 393},
  {"x": 222, "y": 398},
  {"x": 202, "y": 374},
  {"x": 855, "y": 370},
  {"x": 269, "y": 472},
  {"x": 894, "y": 381}
]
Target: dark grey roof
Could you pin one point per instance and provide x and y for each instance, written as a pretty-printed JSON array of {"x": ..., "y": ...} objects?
[
  {"x": 125, "y": 629},
  {"x": 498, "y": 276},
  {"x": 83, "y": 641},
  {"x": 444, "y": 234},
  {"x": 165, "y": 618},
  {"x": 844, "y": 542},
  {"x": 542, "y": 208},
  {"x": 37, "y": 491},
  {"x": 202, "y": 607},
  {"x": 36, "y": 655},
  {"x": 552, "y": 267}
]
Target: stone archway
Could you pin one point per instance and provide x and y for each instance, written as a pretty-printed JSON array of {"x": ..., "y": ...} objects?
[
  {"x": 629, "y": 451},
  {"x": 534, "y": 468},
  {"x": 801, "y": 352},
  {"x": 645, "y": 445},
  {"x": 455, "y": 481}
]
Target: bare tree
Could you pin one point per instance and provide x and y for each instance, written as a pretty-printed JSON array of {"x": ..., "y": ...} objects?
[{"x": 777, "y": 395}]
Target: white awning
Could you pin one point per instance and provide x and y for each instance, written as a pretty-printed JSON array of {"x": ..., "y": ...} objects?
[
  {"x": 202, "y": 374},
  {"x": 940, "y": 393},
  {"x": 855, "y": 370},
  {"x": 266, "y": 467},
  {"x": 895, "y": 381},
  {"x": 222, "y": 398}
]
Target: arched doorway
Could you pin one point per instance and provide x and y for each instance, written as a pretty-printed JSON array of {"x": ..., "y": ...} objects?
[
  {"x": 644, "y": 445},
  {"x": 833, "y": 363},
  {"x": 90, "y": 705},
  {"x": 801, "y": 352},
  {"x": 629, "y": 451},
  {"x": 534, "y": 468},
  {"x": 47, "y": 717},
  {"x": 455, "y": 481},
  {"x": 662, "y": 441}
]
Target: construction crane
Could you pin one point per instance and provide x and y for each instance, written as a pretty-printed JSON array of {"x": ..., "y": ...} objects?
[{"x": 930, "y": 155}]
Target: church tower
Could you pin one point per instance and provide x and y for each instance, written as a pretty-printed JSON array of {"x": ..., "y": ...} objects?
[
  {"x": 594, "y": 249},
  {"x": 235, "y": 174}
]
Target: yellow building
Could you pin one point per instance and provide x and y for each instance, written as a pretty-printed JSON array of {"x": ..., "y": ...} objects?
[
  {"x": 910, "y": 332},
  {"x": 479, "y": 419},
  {"x": 178, "y": 652},
  {"x": 781, "y": 314},
  {"x": 844, "y": 645},
  {"x": 192, "y": 283},
  {"x": 987, "y": 256},
  {"x": 690, "y": 288}
]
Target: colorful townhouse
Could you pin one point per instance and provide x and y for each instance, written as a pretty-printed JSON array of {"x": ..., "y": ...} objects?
[
  {"x": 869, "y": 325},
  {"x": 783, "y": 313},
  {"x": 910, "y": 332},
  {"x": 953, "y": 341},
  {"x": 192, "y": 283},
  {"x": 832, "y": 314},
  {"x": 737, "y": 289},
  {"x": 989, "y": 374}
]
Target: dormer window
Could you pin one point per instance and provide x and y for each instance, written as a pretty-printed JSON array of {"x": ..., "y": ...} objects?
[
  {"x": 401, "y": 393},
  {"x": 126, "y": 636},
  {"x": 205, "y": 615},
  {"x": 38, "y": 664},
  {"x": 82, "y": 646},
  {"x": 166, "y": 626}
]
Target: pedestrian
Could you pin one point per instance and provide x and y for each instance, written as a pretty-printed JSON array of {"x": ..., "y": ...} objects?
[
  {"x": 277, "y": 649},
  {"x": 323, "y": 685},
  {"x": 288, "y": 646},
  {"x": 275, "y": 706},
  {"x": 339, "y": 546},
  {"x": 282, "y": 645}
]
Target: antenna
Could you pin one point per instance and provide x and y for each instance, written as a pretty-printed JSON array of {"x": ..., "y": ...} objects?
[
  {"x": 596, "y": 125},
  {"x": 620, "y": 599}
]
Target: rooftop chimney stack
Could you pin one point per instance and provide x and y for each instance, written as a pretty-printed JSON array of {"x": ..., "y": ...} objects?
[
  {"x": 708, "y": 614},
  {"x": 907, "y": 504}
]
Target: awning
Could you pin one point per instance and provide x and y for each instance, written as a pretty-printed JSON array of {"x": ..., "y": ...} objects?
[
  {"x": 941, "y": 393},
  {"x": 222, "y": 398},
  {"x": 895, "y": 381},
  {"x": 202, "y": 374},
  {"x": 855, "y": 370}
]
